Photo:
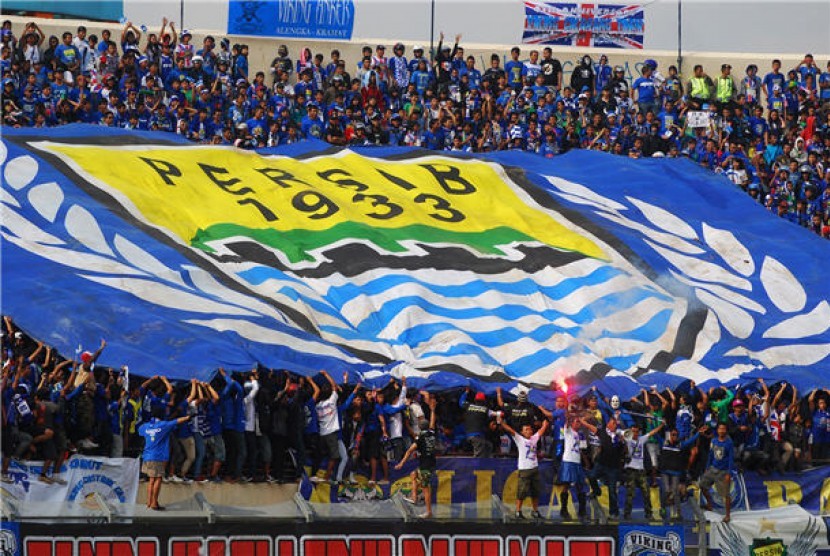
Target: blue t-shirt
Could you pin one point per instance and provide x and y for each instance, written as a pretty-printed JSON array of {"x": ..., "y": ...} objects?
[
  {"x": 821, "y": 426},
  {"x": 156, "y": 439},
  {"x": 514, "y": 73},
  {"x": 721, "y": 454},
  {"x": 645, "y": 89}
]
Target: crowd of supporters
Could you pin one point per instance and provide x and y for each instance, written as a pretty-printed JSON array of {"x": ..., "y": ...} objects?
[
  {"x": 769, "y": 135},
  {"x": 267, "y": 426}
]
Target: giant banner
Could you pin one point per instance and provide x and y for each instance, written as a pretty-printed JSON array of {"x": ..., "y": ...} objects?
[
  {"x": 584, "y": 25},
  {"x": 294, "y": 19},
  {"x": 510, "y": 270}
]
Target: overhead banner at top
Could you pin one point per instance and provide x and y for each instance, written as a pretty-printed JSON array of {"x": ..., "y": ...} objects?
[
  {"x": 596, "y": 25},
  {"x": 295, "y": 19}
]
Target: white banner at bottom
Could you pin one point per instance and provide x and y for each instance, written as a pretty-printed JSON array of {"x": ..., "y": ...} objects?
[{"x": 115, "y": 479}]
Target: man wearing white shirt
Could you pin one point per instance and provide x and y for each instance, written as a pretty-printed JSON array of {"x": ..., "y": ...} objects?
[
  {"x": 635, "y": 474},
  {"x": 327, "y": 417},
  {"x": 527, "y": 443}
]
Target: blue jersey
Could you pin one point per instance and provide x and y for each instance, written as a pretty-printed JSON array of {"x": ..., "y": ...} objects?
[
  {"x": 645, "y": 89},
  {"x": 156, "y": 439},
  {"x": 514, "y": 70},
  {"x": 821, "y": 426},
  {"x": 721, "y": 454},
  {"x": 773, "y": 79}
]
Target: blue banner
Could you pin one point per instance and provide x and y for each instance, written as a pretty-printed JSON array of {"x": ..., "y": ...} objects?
[
  {"x": 809, "y": 489},
  {"x": 647, "y": 540},
  {"x": 295, "y": 19},
  {"x": 462, "y": 480}
]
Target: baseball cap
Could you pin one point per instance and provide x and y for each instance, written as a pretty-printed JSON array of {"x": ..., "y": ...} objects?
[
  {"x": 737, "y": 403},
  {"x": 198, "y": 58},
  {"x": 86, "y": 357},
  {"x": 417, "y": 47},
  {"x": 522, "y": 397},
  {"x": 480, "y": 397},
  {"x": 18, "y": 335},
  {"x": 725, "y": 66},
  {"x": 187, "y": 33},
  {"x": 380, "y": 47}
]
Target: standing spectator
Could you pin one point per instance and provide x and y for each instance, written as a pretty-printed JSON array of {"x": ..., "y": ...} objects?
[
  {"x": 674, "y": 460},
  {"x": 820, "y": 426},
  {"x": 719, "y": 469},
  {"x": 571, "y": 472},
  {"x": 529, "y": 482},
  {"x": 635, "y": 474},
  {"x": 699, "y": 88},
  {"x": 608, "y": 463},
  {"x": 425, "y": 444},
  {"x": 327, "y": 416},
  {"x": 156, "y": 452},
  {"x": 551, "y": 70},
  {"x": 582, "y": 78},
  {"x": 724, "y": 87},
  {"x": 646, "y": 93},
  {"x": 476, "y": 418}
]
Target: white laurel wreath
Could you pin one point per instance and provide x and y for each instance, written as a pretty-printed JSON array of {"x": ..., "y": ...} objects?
[
  {"x": 116, "y": 261},
  {"x": 717, "y": 267}
]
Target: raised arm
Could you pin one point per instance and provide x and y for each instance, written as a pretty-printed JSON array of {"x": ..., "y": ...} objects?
[
  {"x": 655, "y": 430},
  {"x": 35, "y": 353},
  {"x": 334, "y": 386},
  {"x": 588, "y": 425},
  {"x": 505, "y": 427},
  {"x": 765, "y": 388},
  {"x": 194, "y": 391},
  {"x": 99, "y": 350},
  {"x": 315, "y": 389},
  {"x": 499, "y": 399}
]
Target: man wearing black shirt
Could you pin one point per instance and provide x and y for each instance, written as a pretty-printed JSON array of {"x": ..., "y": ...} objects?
[
  {"x": 425, "y": 444},
  {"x": 609, "y": 462},
  {"x": 551, "y": 70}
]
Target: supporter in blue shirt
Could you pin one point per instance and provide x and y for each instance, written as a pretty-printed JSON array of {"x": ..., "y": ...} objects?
[
  {"x": 421, "y": 78},
  {"x": 719, "y": 466},
  {"x": 313, "y": 124},
  {"x": 645, "y": 92},
  {"x": 773, "y": 78},
  {"x": 603, "y": 73},
  {"x": 156, "y": 452},
  {"x": 473, "y": 75},
  {"x": 514, "y": 69}
]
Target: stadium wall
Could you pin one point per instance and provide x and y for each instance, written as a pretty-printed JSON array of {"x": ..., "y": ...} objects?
[
  {"x": 263, "y": 50},
  {"x": 735, "y": 26}
]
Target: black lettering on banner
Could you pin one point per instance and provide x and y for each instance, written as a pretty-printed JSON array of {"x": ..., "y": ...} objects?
[
  {"x": 443, "y": 210},
  {"x": 346, "y": 183},
  {"x": 402, "y": 183},
  {"x": 213, "y": 172},
  {"x": 263, "y": 210},
  {"x": 163, "y": 169},
  {"x": 450, "y": 175},
  {"x": 302, "y": 203},
  {"x": 280, "y": 177},
  {"x": 380, "y": 201}
]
